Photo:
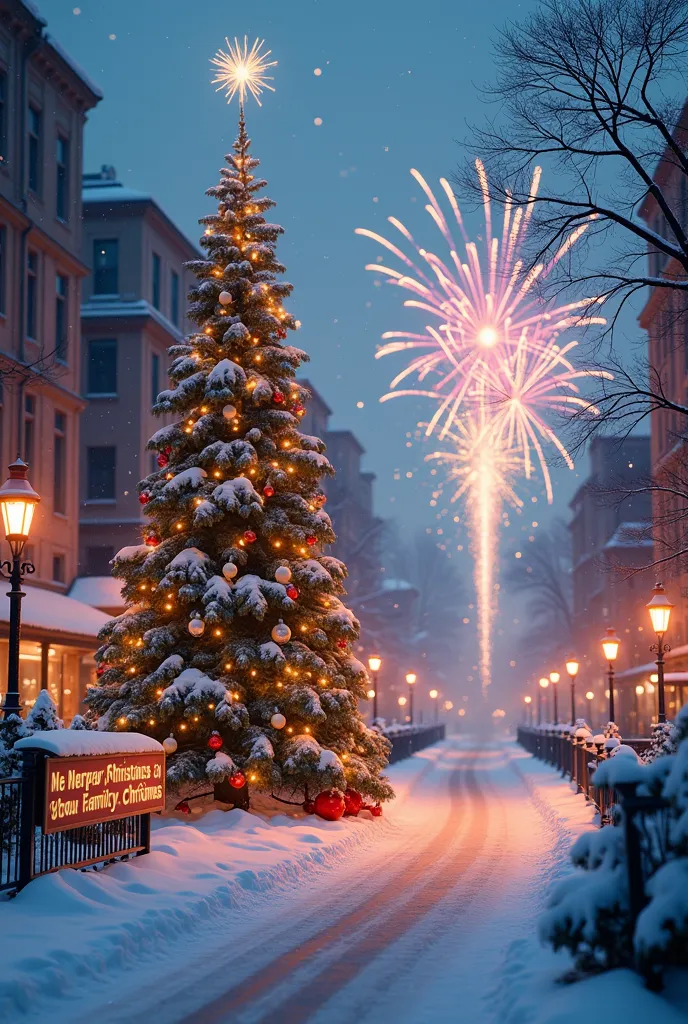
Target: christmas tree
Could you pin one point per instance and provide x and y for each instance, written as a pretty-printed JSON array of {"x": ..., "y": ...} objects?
[{"x": 236, "y": 649}]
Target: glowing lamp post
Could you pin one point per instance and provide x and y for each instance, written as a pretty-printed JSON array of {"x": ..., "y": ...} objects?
[
  {"x": 528, "y": 700},
  {"x": 374, "y": 664},
  {"x": 434, "y": 694},
  {"x": 659, "y": 608},
  {"x": 18, "y": 502},
  {"x": 544, "y": 683},
  {"x": 572, "y": 667},
  {"x": 610, "y": 646},
  {"x": 410, "y": 680},
  {"x": 554, "y": 678}
]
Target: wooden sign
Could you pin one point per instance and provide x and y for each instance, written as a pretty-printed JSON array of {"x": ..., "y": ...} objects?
[{"x": 87, "y": 790}]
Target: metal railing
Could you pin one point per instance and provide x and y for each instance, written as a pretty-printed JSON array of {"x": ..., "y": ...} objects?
[
  {"x": 412, "y": 739},
  {"x": 10, "y": 817}
]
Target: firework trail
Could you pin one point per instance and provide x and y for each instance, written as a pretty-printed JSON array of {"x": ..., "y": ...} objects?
[{"x": 491, "y": 362}]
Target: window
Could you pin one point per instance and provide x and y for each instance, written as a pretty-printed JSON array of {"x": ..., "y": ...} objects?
[
  {"x": 98, "y": 561},
  {"x": 156, "y": 280},
  {"x": 174, "y": 298},
  {"x": 61, "y": 308},
  {"x": 3, "y": 266},
  {"x": 34, "y": 150},
  {"x": 60, "y": 465},
  {"x": 32, "y": 295},
  {"x": 105, "y": 266},
  {"x": 102, "y": 367},
  {"x": 62, "y": 180},
  {"x": 100, "y": 473},
  {"x": 155, "y": 377},
  {"x": 29, "y": 427},
  {"x": 3, "y": 116},
  {"x": 58, "y": 568}
]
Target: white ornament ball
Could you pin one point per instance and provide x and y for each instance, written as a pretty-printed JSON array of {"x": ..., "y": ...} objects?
[
  {"x": 283, "y": 574},
  {"x": 197, "y": 627},
  {"x": 229, "y": 570},
  {"x": 278, "y": 721},
  {"x": 229, "y": 412},
  {"x": 225, "y": 298},
  {"x": 169, "y": 745},
  {"x": 281, "y": 633}
]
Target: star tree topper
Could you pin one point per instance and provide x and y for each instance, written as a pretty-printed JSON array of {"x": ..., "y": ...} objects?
[{"x": 241, "y": 70}]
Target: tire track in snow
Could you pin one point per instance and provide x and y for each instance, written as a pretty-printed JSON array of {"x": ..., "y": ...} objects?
[{"x": 347, "y": 946}]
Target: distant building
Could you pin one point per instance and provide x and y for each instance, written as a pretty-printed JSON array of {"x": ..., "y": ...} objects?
[
  {"x": 134, "y": 308},
  {"x": 44, "y": 100}
]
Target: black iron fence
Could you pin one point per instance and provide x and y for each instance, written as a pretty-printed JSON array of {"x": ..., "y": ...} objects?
[
  {"x": 26, "y": 851},
  {"x": 413, "y": 738}
]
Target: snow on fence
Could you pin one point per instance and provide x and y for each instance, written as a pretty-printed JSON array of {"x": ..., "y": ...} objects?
[{"x": 407, "y": 739}]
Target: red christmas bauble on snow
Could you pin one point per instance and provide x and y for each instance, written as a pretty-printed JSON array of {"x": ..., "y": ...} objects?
[
  {"x": 215, "y": 741},
  {"x": 309, "y": 807},
  {"x": 250, "y": 536},
  {"x": 311, "y": 540},
  {"x": 376, "y": 811},
  {"x": 183, "y": 807},
  {"x": 268, "y": 490},
  {"x": 277, "y": 397},
  {"x": 162, "y": 460},
  {"x": 292, "y": 592},
  {"x": 341, "y": 643},
  {"x": 237, "y": 780},
  {"x": 329, "y": 806},
  {"x": 144, "y": 498},
  {"x": 353, "y": 802}
]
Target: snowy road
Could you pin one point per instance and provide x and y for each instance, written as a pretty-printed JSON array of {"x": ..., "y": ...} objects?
[{"x": 418, "y": 924}]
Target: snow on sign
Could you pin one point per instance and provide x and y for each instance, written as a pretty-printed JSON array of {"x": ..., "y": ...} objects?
[{"x": 88, "y": 790}]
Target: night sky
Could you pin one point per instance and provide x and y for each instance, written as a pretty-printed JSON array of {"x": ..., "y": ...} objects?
[{"x": 399, "y": 88}]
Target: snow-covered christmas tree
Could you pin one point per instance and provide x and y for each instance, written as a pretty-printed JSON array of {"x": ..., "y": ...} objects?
[{"x": 236, "y": 648}]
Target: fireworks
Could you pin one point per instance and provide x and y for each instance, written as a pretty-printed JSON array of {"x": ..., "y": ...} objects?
[
  {"x": 491, "y": 361},
  {"x": 241, "y": 70}
]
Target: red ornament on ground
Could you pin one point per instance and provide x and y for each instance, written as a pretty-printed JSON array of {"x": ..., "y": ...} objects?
[
  {"x": 215, "y": 741},
  {"x": 329, "y": 805},
  {"x": 162, "y": 460},
  {"x": 183, "y": 807},
  {"x": 144, "y": 498},
  {"x": 376, "y": 811},
  {"x": 311, "y": 540},
  {"x": 268, "y": 490},
  {"x": 277, "y": 397},
  {"x": 353, "y": 802},
  {"x": 292, "y": 592},
  {"x": 237, "y": 780},
  {"x": 250, "y": 536},
  {"x": 341, "y": 643},
  {"x": 309, "y": 807}
]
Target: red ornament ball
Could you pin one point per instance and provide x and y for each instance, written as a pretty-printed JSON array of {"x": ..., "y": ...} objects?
[
  {"x": 250, "y": 536},
  {"x": 298, "y": 409},
  {"x": 353, "y": 802},
  {"x": 162, "y": 460},
  {"x": 168, "y": 450},
  {"x": 215, "y": 741},
  {"x": 376, "y": 811},
  {"x": 237, "y": 780},
  {"x": 100, "y": 670},
  {"x": 329, "y": 805},
  {"x": 268, "y": 490},
  {"x": 292, "y": 592},
  {"x": 311, "y": 540},
  {"x": 144, "y": 498},
  {"x": 277, "y": 397},
  {"x": 183, "y": 807},
  {"x": 341, "y": 644},
  {"x": 152, "y": 540},
  {"x": 281, "y": 333},
  {"x": 309, "y": 807}
]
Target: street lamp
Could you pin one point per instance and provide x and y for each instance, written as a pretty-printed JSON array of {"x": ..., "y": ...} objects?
[
  {"x": 610, "y": 645},
  {"x": 410, "y": 679},
  {"x": 554, "y": 678},
  {"x": 659, "y": 607},
  {"x": 18, "y": 502},
  {"x": 572, "y": 669},
  {"x": 528, "y": 701},
  {"x": 374, "y": 664},
  {"x": 544, "y": 683},
  {"x": 401, "y": 701},
  {"x": 434, "y": 694}
]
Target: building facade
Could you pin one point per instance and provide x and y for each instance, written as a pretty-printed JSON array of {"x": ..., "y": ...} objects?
[
  {"x": 134, "y": 305},
  {"x": 44, "y": 101}
]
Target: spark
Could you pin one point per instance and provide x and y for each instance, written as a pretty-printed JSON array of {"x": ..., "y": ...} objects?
[
  {"x": 241, "y": 70},
  {"x": 491, "y": 361}
]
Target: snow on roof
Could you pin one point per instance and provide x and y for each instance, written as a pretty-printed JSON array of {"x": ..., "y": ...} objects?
[
  {"x": 76, "y": 68},
  {"x": 44, "y": 609},
  {"x": 74, "y": 742},
  {"x": 98, "y": 591},
  {"x": 113, "y": 192},
  {"x": 630, "y": 535},
  {"x": 115, "y": 307}
]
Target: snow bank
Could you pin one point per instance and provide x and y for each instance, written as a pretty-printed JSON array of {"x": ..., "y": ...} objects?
[{"x": 70, "y": 743}]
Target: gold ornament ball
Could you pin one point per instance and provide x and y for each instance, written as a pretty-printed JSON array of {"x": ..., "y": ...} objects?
[
  {"x": 197, "y": 627},
  {"x": 229, "y": 570},
  {"x": 229, "y": 412},
  {"x": 169, "y": 745},
  {"x": 278, "y": 721},
  {"x": 283, "y": 574},
  {"x": 281, "y": 633},
  {"x": 225, "y": 298}
]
